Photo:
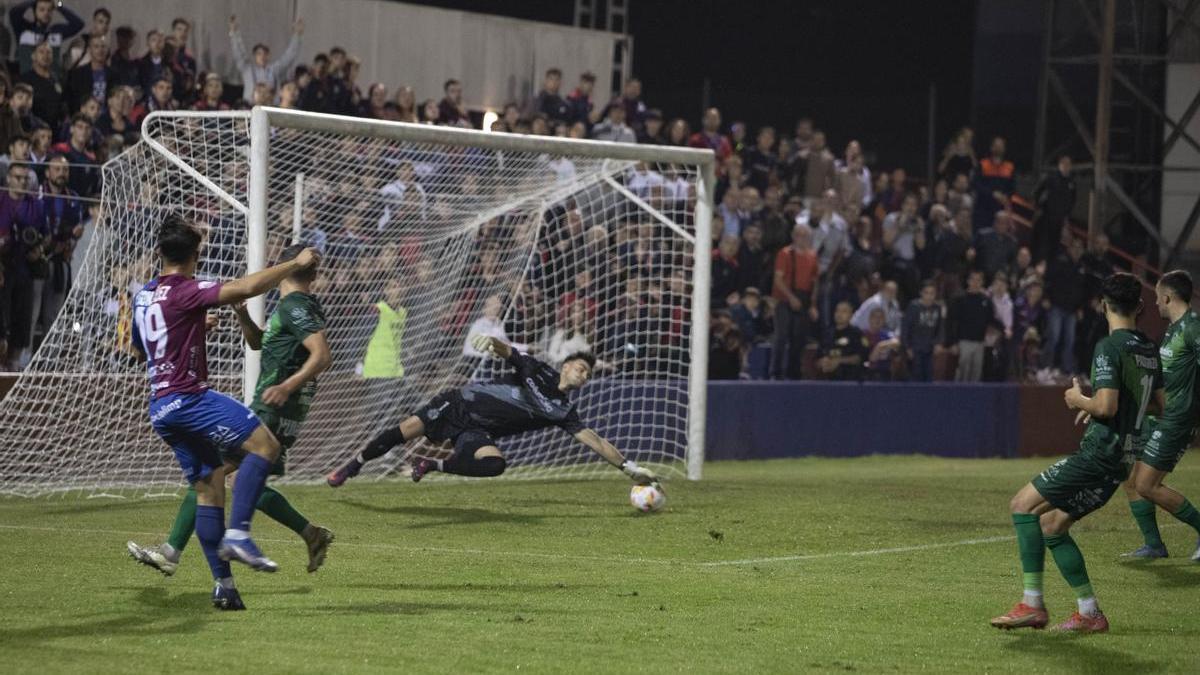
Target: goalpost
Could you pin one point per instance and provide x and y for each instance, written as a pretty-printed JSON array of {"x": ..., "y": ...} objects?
[{"x": 428, "y": 234}]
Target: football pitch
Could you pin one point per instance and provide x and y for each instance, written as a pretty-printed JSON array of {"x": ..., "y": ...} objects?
[{"x": 879, "y": 564}]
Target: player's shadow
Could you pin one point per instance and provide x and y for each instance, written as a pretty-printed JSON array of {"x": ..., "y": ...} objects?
[
  {"x": 1080, "y": 654},
  {"x": 100, "y": 505},
  {"x": 1169, "y": 576},
  {"x": 158, "y": 614},
  {"x": 440, "y": 516}
]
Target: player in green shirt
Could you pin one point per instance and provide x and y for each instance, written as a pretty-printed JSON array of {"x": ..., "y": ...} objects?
[
  {"x": 294, "y": 352},
  {"x": 1126, "y": 378},
  {"x": 1168, "y": 436}
]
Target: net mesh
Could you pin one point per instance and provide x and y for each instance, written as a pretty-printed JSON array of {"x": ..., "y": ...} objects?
[{"x": 424, "y": 245}]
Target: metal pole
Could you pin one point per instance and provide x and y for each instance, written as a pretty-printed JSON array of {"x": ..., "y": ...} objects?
[
  {"x": 1039, "y": 134},
  {"x": 931, "y": 163},
  {"x": 298, "y": 210},
  {"x": 256, "y": 236},
  {"x": 1103, "y": 114}
]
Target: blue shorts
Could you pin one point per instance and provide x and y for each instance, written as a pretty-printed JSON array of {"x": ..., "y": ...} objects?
[{"x": 200, "y": 427}]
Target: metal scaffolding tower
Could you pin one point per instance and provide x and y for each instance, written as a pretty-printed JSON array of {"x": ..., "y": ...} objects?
[
  {"x": 1101, "y": 95},
  {"x": 613, "y": 16}
]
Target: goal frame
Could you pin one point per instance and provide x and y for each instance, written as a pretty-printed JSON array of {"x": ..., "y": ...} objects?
[{"x": 264, "y": 118}]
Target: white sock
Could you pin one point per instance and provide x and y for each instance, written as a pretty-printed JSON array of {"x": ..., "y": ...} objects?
[
  {"x": 1033, "y": 599},
  {"x": 359, "y": 458},
  {"x": 1088, "y": 606},
  {"x": 237, "y": 534},
  {"x": 439, "y": 464},
  {"x": 169, "y": 552},
  {"x": 226, "y": 583}
]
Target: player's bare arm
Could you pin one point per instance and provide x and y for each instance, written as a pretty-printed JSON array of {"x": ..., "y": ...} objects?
[
  {"x": 318, "y": 361},
  {"x": 260, "y": 282},
  {"x": 251, "y": 331},
  {"x": 1101, "y": 405},
  {"x": 610, "y": 453}
]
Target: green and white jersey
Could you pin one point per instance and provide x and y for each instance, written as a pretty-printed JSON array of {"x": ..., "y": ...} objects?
[
  {"x": 297, "y": 316},
  {"x": 1125, "y": 360},
  {"x": 1180, "y": 353}
]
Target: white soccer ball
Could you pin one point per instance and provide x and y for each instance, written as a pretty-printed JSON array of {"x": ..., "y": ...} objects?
[{"x": 647, "y": 498}]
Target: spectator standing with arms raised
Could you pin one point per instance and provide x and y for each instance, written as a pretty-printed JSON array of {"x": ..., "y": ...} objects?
[
  {"x": 259, "y": 67},
  {"x": 31, "y": 33}
]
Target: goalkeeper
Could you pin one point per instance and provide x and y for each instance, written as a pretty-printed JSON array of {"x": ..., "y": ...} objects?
[{"x": 474, "y": 417}]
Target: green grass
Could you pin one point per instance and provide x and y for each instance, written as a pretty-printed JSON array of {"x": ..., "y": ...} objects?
[{"x": 565, "y": 577}]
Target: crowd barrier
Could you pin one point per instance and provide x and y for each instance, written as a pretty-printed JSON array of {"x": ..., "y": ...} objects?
[{"x": 759, "y": 420}]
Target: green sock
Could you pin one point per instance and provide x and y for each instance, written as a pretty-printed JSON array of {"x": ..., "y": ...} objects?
[
  {"x": 1032, "y": 549},
  {"x": 1069, "y": 559},
  {"x": 1188, "y": 514},
  {"x": 1143, "y": 513},
  {"x": 185, "y": 521},
  {"x": 279, "y": 509}
]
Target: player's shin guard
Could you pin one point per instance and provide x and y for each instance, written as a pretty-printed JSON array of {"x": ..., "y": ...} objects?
[
  {"x": 210, "y": 528},
  {"x": 1032, "y": 548},
  {"x": 185, "y": 522},
  {"x": 381, "y": 444},
  {"x": 275, "y": 505},
  {"x": 1143, "y": 513},
  {"x": 1069, "y": 559},
  {"x": 1189, "y": 515},
  {"x": 464, "y": 464},
  {"x": 251, "y": 478}
]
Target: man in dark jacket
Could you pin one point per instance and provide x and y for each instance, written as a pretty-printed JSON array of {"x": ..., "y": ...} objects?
[
  {"x": 1066, "y": 288},
  {"x": 548, "y": 102},
  {"x": 30, "y": 34},
  {"x": 90, "y": 80},
  {"x": 970, "y": 315},
  {"x": 1055, "y": 200}
]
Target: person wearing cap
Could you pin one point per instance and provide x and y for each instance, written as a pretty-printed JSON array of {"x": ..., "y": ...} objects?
[
  {"x": 579, "y": 101},
  {"x": 614, "y": 128},
  {"x": 652, "y": 128}
]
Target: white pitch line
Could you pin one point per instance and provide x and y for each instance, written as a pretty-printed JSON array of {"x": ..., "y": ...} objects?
[
  {"x": 855, "y": 554},
  {"x": 590, "y": 558}
]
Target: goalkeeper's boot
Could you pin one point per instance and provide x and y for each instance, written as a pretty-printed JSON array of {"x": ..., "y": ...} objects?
[
  {"x": 1147, "y": 552},
  {"x": 344, "y": 473},
  {"x": 318, "y": 540},
  {"x": 1022, "y": 616},
  {"x": 1082, "y": 623},
  {"x": 227, "y": 599},
  {"x": 421, "y": 467},
  {"x": 153, "y": 556},
  {"x": 246, "y": 552}
]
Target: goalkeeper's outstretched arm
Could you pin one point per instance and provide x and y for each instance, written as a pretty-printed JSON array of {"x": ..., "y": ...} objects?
[{"x": 610, "y": 452}]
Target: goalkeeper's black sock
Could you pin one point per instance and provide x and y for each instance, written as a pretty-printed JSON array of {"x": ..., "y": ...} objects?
[
  {"x": 381, "y": 444},
  {"x": 482, "y": 467}
]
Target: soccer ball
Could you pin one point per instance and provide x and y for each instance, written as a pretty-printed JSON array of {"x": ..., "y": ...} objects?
[{"x": 647, "y": 498}]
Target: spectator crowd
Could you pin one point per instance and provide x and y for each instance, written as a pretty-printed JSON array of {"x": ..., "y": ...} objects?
[{"x": 823, "y": 266}]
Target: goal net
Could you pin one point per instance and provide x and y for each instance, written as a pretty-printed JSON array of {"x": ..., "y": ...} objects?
[{"x": 429, "y": 235}]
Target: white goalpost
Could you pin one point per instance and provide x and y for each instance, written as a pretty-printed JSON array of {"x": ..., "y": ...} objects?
[{"x": 428, "y": 234}]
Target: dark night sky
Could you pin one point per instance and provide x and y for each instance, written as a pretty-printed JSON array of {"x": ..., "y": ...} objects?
[{"x": 859, "y": 68}]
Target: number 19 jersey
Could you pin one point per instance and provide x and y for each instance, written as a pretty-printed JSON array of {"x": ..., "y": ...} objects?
[{"x": 168, "y": 327}]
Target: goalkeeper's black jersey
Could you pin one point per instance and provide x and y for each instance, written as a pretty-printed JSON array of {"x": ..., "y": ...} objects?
[{"x": 525, "y": 401}]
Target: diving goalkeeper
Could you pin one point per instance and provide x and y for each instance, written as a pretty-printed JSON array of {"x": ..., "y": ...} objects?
[{"x": 474, "y": 417}]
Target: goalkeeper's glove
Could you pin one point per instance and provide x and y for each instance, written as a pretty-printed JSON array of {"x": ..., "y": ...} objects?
[
  {"x": 483, "y": 343},
  {"x": 639, "y": 474}
]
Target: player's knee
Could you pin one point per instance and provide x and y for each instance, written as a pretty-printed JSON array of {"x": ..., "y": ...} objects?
[
  {"x": 1145, "y": 485},
  {"x": 491, "y": 466},
  {"x": 1054, "y": 522}
]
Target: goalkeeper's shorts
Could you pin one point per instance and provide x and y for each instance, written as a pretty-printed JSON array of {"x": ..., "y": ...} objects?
[{"x": 446, "y": 419}]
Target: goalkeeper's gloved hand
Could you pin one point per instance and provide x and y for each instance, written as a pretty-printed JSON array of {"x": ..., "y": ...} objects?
[
  {"x": 483, "y": 343},
  {"x": 640, "y": 475}
]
